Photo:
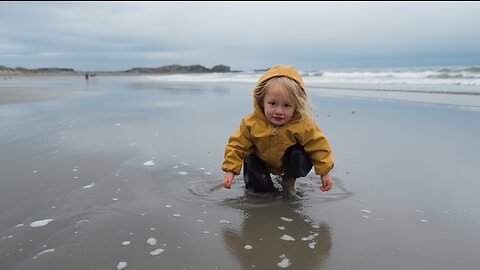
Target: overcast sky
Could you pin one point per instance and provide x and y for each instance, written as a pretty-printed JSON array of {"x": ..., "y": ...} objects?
[{"x": 243, "y": 35}]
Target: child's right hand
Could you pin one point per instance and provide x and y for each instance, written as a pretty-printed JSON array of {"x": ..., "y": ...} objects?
[{"x": 228, "y": 179}]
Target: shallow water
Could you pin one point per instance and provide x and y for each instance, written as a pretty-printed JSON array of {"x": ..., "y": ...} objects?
[{"x": 136, "y": 160}]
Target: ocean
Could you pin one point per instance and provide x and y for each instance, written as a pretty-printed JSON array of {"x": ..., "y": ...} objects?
[{"x": 458, "y": 86}]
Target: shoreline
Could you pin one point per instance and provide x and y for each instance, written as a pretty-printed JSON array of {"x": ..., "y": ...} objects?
[
  {"x": 169, "y": 69},
  {"x": 26, "y": 88}
]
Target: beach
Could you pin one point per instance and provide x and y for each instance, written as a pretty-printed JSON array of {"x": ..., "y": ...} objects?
[{"x": 116, "y": 173}]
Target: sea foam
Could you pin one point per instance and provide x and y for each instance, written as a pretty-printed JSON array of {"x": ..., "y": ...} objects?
[{"x": 40, "y": 223}]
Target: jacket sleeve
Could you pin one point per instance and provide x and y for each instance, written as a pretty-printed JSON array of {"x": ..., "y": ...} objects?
[
  {"x": 239, "y": 145},
  {"x": 318, "y": 148}
]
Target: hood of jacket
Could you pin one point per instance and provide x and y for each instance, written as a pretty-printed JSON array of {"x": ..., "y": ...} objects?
[{"x": 282, "y": 70}]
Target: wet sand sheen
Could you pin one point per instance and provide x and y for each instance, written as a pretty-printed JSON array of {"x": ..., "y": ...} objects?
[
  {"x": 9, "y": 95},
  {"x": 122, "y": 181}
]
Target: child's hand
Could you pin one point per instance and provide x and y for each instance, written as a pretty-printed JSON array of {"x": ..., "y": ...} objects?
[
  {"x": 228, "y": 179},
  {"x": 327, "y": 182}
]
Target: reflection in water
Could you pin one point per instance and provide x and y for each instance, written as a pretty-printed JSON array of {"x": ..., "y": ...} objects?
[
  {"x": 174, "y": 88},
  {"x": 275, "y": 233}
]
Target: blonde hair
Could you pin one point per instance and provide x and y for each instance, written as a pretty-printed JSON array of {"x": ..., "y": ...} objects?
[{"x": 299, "y": 95}]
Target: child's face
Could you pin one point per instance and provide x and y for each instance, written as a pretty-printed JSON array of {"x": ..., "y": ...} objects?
[{"x": 278, "y": 104}]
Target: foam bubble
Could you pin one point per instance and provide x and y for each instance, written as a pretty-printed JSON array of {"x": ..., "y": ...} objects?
[
  {"x": 149, "y": 163},
  {"x": 285, "y": 261},
  {"x": 89, "y": 186},
  {"x": 157, "y": 251},
  {"x": 224, "y": 221},
  {"x": 308, "y": 238},
  {"x": 152, "y": 241},
  {"x": 287, "y": 237},
  {"x": 43, "y": 252},
  {"x": 121, "y": 265},
  {"x": 40, "y": 223}
]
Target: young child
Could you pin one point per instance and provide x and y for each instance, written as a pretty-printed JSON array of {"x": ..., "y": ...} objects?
[{"x": 279, "y": 137}]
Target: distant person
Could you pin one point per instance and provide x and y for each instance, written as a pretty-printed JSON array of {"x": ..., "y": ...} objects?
[
  {"x": 279, "y": 137},
  {"x": 86, "y": 76}
]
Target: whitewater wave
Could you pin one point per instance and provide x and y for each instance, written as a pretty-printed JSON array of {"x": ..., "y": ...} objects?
[
  {"x": 453, "y": 85},
  {"x": 464, "y": 76}
]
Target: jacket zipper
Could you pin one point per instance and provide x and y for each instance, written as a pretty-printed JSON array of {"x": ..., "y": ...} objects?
[
  {"x": 273, "y": 134},
  {"x": 274, "y": 130}
]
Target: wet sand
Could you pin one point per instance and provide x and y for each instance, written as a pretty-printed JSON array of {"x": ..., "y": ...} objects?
[
  {"x": 38, "y": 89},
  {"x": 120, "y": 176}
]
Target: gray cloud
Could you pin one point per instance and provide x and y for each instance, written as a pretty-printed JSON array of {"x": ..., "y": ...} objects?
[{"x": 244, "y": 35}]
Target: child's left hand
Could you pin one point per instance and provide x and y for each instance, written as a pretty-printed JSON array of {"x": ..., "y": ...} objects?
[{"x": 327, "y": 182}]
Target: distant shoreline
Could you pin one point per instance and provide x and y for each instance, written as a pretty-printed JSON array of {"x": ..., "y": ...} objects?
[{"x": 169, "y": 69}]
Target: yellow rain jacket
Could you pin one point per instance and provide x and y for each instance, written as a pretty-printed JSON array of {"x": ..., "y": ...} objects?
[{"x": 256, "y": 135}]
